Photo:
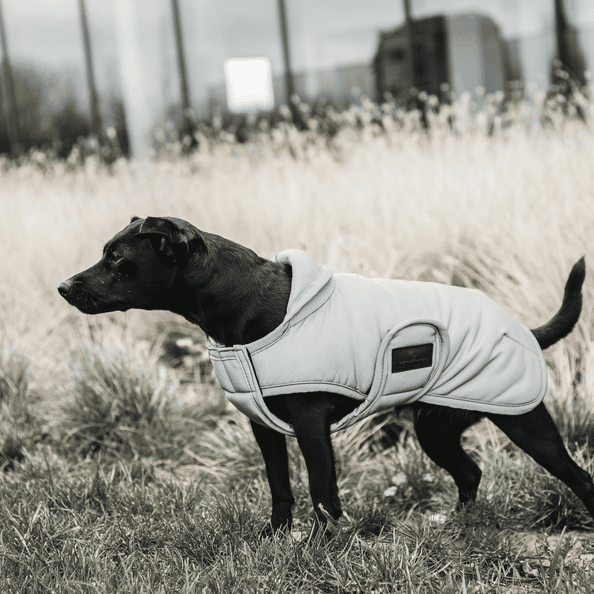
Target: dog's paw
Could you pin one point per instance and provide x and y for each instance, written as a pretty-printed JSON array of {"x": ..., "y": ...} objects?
[
  {"x": 327, "y": 526},
  {"x": 275, "y": 528},
  {"x": 321, "y": 533}
]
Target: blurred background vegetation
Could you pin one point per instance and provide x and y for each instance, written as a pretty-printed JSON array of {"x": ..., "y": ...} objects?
[
  {"x": 155, "y": 70},
  {"x": 53, "y": 131}
]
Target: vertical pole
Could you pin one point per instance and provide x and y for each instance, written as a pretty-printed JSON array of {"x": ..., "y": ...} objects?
[
  {"x": 139, "y": 111},
  {"x": 181, "y": 62},
  {"x": 12, "y": 115},
  {"x": 410, "y": 40},
  {"x": 96, "y": 121},
  {"x": 297, "y": 116},
  {"x": 289, "y": 80},
  {"x": 187, "y": 126},
  {"x": 561, "y": 33}
]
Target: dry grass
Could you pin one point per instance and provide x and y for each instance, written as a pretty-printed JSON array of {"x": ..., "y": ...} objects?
[{"x": 508, "y": 213}]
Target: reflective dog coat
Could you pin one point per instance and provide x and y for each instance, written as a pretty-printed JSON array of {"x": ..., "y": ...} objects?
[{"x": 386, "y": 343}]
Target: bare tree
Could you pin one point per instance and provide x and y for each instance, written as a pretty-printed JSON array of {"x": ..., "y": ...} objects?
[
  {"x": 569, "y": 54},
  {"x": 12, "y": 115},
  {"x": 289, "y": 78},
  {"x": 96, "y": 120},
  {"x": 187, "y": 126},
  {"x": 181, "y": 61},
  {"x": 410, "y": 35}
]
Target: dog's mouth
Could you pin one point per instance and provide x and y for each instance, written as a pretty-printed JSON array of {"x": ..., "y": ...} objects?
[
  {"x": 84, "y": 301},
  {"x": 87, "y": 304}
]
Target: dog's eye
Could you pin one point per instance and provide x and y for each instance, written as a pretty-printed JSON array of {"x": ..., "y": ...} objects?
[{"x": 125, "y": 268}]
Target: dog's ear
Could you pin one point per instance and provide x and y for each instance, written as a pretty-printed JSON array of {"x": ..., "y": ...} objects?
[
  {"x": 134, "y": 219},
  {"x": 169, "y": 239}
]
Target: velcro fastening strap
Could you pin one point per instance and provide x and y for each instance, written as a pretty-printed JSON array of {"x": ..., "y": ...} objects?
[
  {"x": 235, "y": 371},
  {"x": 232, "y": 370}
]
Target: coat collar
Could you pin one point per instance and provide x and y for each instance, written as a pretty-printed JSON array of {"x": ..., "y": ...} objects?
[{"x": 311, "y": 283}]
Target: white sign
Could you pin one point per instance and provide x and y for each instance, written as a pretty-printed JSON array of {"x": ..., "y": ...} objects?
[{"x": 249, "y": 84}]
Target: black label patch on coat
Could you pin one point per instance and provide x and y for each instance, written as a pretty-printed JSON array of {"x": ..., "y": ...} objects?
[{"x": 412, "y": 357}]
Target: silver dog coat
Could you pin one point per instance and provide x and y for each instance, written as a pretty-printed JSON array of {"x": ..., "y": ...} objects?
[{"x": 385, "y": 343}]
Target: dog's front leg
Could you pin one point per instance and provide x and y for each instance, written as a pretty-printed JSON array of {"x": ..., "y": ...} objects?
[
  {"x": 310, "y": 417},
  {"x": 273, "y": 446}
]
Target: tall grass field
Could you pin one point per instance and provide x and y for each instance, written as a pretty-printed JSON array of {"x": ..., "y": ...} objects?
[{"x": 123, "y": 468}]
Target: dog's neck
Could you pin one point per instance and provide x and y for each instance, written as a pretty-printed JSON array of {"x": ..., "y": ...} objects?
[{"x": 240, "y": 300}]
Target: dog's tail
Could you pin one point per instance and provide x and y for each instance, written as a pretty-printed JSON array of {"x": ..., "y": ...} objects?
[{"x": 562, "y": 323}]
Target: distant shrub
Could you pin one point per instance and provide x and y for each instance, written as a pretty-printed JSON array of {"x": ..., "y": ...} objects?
[
  {"x": 67, "y": 126},
  {"x": 17, "y": 423},
  {"x": 32, "y": 130},
  {"x": 119, "y": 401},
  {"x": 14, "y": 377},
  {"x": 56, "y": 132}
]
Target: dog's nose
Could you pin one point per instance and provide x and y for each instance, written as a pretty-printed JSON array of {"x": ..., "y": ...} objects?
[{"x": 64, "y": 288}]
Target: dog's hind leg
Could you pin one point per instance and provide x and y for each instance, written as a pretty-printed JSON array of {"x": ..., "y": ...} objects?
[
  {"x": 536, "y": 433},
  {"x": 273, "y": 446},
  {"x": 439, "y": 430}
]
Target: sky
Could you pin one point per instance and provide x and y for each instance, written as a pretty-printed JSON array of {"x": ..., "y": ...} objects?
[{"x": 324, "y": 33}]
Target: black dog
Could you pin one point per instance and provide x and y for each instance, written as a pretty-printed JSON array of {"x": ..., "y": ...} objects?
[{"x": 237, "y": 297}]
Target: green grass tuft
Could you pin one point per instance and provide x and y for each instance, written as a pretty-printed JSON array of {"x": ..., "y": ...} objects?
[{"x": 121, "y": 402}]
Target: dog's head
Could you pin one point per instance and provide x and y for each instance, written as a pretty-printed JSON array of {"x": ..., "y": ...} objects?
[{"x": 138, "y": 268}]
